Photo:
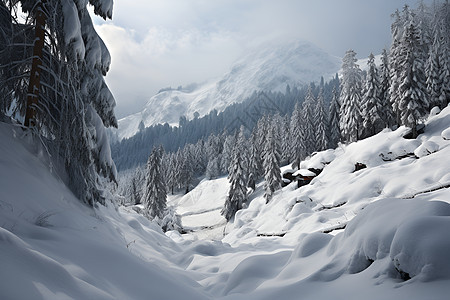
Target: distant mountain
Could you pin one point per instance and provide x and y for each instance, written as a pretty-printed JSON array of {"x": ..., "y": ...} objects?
[{"x": 267, "y": 68}]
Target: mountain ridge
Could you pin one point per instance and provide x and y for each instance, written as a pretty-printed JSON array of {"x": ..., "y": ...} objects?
[{"x": 270, "y": 67}]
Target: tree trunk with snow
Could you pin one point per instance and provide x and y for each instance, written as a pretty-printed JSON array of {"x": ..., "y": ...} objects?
[{"x": 35, "y": 74}]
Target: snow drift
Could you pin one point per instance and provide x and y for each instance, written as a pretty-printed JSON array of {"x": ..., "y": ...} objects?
[{"x": 378, "y": 233}]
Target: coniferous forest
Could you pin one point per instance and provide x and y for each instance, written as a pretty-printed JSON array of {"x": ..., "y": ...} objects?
[
  {"x": 295, "y": 175},
  {"x": 411, "y": 78}
]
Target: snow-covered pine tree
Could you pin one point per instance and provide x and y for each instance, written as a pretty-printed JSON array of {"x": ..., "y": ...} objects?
[
  {"x": 277, "y": 121},
  {"x": 155, "y": 195},
  {"x": 237, "y": 176},
  {"x": 413, "y": 103},
  {"x": 135, "y": 197},
  {"x": 201, "y": 158},
  {"x": 179, "y": 160},
  {"x": 186, "y": 174},
  {"x": 442, "y": 18},
  {"x": 255, "y": 169},
  {"x": 271, "y": 164},
  {"x": 335, "y": 107},
  {"x": 438, "y": 63},
  {"x": 395, "y": 62},
  {"x": 71, "y": 105},
  {"x": 298, "y": 147},
  {"x": 309, "y": 134},
  {"x": 262, "y": 126},
  {"x": 214, "y": 153},
  {"x": 227, "y": 153},
  {"x": 423, "y": 20},
  {"x": 321, "y": 121},
  {"x": 285, "y": 140},
  {"x": 433, "y": 70},
  {"x": 385, "y": 83},
  {"x": 372, "y": 107},
  {"x": 350, "y": 98}
]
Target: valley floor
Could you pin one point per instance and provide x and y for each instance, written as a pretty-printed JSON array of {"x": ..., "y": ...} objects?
[{"x": 377, "y": 233}]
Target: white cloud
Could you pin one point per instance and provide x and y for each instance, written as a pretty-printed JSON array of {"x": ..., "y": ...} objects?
[
  {"x": 160, "y": 43},
  {"x": 140, "y": 67}
]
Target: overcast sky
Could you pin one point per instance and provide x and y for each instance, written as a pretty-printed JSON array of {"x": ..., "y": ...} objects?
[{"x": 160, "y": 43}]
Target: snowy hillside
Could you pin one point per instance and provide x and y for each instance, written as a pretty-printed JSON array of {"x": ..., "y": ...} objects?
[
  {"x": 267, "y": 68},
  {"x": 377, "y": 233}
]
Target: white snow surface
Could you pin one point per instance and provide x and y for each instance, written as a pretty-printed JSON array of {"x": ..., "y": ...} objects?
[
  {"x": 200, "y": 209},
  {"x": 388, "y": 219},
  {"x": 269, "y": 67}
]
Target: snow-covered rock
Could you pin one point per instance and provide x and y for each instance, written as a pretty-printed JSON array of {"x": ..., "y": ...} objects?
[
  {"x": 446, "y": 134},
  {"x": 426, "y": 148},
  {"x": 434, "y": 111}
]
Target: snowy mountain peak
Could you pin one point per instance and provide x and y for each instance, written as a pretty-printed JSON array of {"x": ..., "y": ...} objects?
[{"x": 268, "y": 67}]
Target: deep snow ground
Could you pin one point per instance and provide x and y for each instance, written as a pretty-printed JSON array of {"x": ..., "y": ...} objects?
[{"x": 396, "y": 215}]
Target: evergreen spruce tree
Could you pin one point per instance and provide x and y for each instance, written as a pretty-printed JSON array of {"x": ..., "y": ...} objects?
[
  {"x": 442, "y": 18},
  {"x": 135, "y": 197},
  {"x": 262, "y": 126},
  {"x": 237, "y": 195},
  {"x": 179, "y": 165},
  {"x": 186, "y": 169},
  {"x": 433, "y": 69},
  {"x": 227, "y": 153},
  {"x": 385, "y": 83},
  {"x": 213, "y": 151},
  {"x": 271, "y": 165},
  {"x": 321, "y": 121},
  {"x": 413, "y": 102},
  {"x": 335, "y": 107},
  {"x": 350, "y": 98},
  {"x": 285, "y": 140},
  {"x": 372, "y": 107},
  {"x": 276, "y": 121},
  {"x": 255, "y": 169},
  {"x": 200, "y": 157},
  {"x": 58, "y": 88},
  {"x": 395, "y": 62},
  {"x": 154, "y": 199},
  {"x": 437, "y": 68},
  {"x": 298, "y": 147},
  {"x": 423, "y": 20},
  {"x": 309, "y": 134}
]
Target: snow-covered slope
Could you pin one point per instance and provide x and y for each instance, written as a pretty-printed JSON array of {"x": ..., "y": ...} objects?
[
  {"x": 387, "y": 223},
  {"x": 396, "y": 168},
  {"x": 200, "y": 209},
  {"x": 269, "y": 67},
  {"x": 54, "y": 247}
]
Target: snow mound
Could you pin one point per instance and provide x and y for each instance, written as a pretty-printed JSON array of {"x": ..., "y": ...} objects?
[
  {"x": 426, "y": 149},
  {"x": 376, "y": 233},
  {"x": 54, "y": 247},
  {"x": 434, "y": 111},
  {"x": 200, "y": 209},
  {"x": 408, "y": 232},
  {"x": 446, "y": 134}
]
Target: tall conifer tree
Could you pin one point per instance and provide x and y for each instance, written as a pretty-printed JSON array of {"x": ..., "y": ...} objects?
[
  {"x": 372, "y": 106},
  {"x": 155, "y": 195},
  {"x": 350, "y": 98},
  {"x": 413, "y": 102},
  {"x": 237, "y": 176},
  {"x": 271, "y": 165}
]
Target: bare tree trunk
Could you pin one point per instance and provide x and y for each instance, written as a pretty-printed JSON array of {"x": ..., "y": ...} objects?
[{"x": 35, "y": 75}]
